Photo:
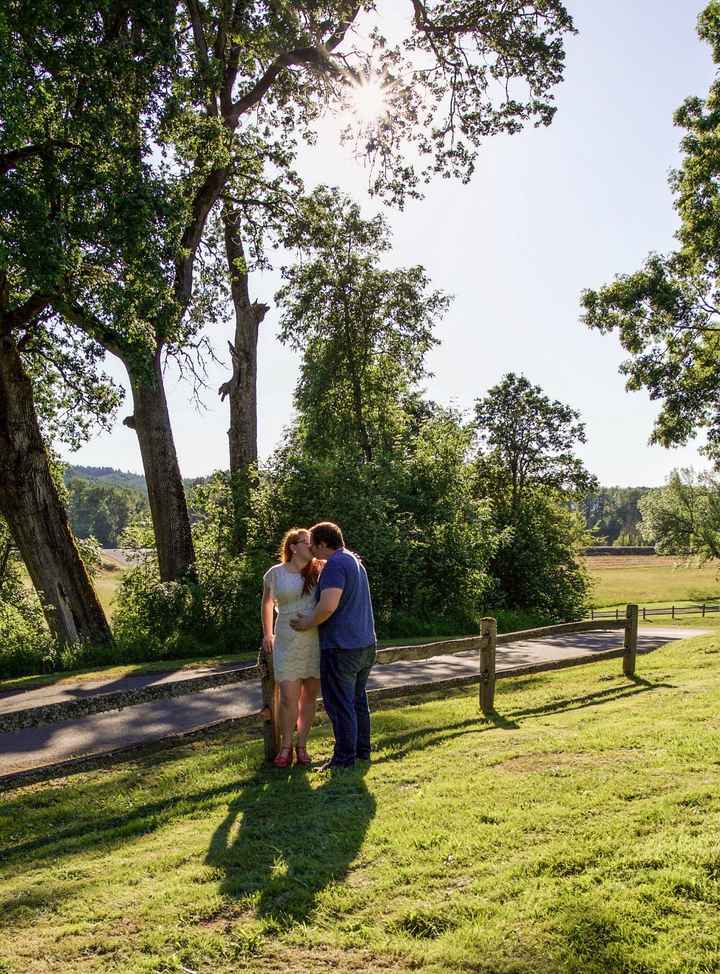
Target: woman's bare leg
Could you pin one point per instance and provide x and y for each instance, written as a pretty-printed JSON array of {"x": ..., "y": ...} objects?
[
  {"x": 306, "y": 709},
  {"x": 289, "y": 696}
]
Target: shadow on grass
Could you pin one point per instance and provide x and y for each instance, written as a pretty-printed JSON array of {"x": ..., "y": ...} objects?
[
  {"x": 399, "y": 744},
  {"x": 285, "y": 837},
  {"x": 74, "y": 826},
  {"x": 291, "y": 840},
  {"x": 99, "y": 831}
]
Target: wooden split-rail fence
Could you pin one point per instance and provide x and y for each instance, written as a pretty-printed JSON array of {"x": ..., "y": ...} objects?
[
  {"x": 647, "y": 611},
  {"x": 485, "y": 644}
]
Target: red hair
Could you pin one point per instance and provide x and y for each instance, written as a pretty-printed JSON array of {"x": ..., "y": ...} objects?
[{"x": 311, "y": 571}]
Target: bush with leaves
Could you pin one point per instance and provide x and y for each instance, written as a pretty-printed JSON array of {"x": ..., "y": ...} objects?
[
  {"x": 215, "y": 612},
  {"x": 25, "y": 642},
  {"x": 538, "y": 564},
  {"x": 411, "y": 515}
]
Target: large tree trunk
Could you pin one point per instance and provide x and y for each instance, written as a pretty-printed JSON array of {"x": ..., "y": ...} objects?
[
  {"x": 166, "y": 494},
  {"x": 242, "y": 387},
  {"x": 30, "y": 503}
]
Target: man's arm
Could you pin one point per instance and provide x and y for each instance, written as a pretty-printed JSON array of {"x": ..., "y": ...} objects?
[{"x": 328, "y": 602}]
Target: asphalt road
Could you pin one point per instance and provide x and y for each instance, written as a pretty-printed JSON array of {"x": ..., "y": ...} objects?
[{"x": 37, "y": 747}]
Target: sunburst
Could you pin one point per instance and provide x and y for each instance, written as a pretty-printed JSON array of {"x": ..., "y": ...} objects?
[{"x": 367, "y": 100}]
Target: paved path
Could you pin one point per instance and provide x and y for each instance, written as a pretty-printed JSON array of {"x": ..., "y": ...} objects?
[
  {"x": 20, "y": 698},
  {"x": 37, "y": 747}
]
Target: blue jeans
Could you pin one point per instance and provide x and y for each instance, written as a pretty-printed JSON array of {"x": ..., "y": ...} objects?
[{"x": 343, "y": 678}]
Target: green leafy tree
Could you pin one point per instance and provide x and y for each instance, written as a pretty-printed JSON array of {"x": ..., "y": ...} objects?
[
  {"x": 667, "y": 313},
  {"x": 102, "y": 511},
  {"x": 528, "y": 441},
  {"x": 528, "y": 470},
  {"x": 613, "y": 516},
  {"x": 367, "y": 450},
  {"x": 683, "y": 517},
  {"x": 365, "y": 330},
  {"x": 119, "y": 227},
  {"x": 53, "y": 155}
]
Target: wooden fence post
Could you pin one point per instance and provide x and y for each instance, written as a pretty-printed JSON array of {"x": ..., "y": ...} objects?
[
  {"x": 631, "y": 639},
  {"x": 271, "y": 728},
  {"x": 488, "y": 643}
]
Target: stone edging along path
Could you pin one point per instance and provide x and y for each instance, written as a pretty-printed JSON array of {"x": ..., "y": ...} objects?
[{"x": 101, "y": 702}]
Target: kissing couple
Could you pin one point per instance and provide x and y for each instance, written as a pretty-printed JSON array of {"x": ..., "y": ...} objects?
[{"x": 318, "y": 597}]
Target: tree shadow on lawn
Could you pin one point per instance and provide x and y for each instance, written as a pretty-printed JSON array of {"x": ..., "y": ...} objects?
[
  {"x": 283, "y": 839},
  {"x": 399, "y": 744},
  {"x": 291, "y": 840},
  {"x": 92, "y": 830}
]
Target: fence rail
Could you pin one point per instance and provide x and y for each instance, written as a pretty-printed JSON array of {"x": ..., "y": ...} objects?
[
  {"x": 485, "y": 645},
  {"x": 698, "y": 608}
]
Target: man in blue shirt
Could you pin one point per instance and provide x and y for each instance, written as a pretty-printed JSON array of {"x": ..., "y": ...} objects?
[{"x": 344, "y": 615}]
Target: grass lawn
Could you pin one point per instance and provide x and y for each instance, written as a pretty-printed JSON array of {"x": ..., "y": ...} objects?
[
  {"x": 651, "y": 578},
  {"x": 576, "y": 832},
  {"x": 106, "y": 585},
  {"x": 107, "y": 580}
]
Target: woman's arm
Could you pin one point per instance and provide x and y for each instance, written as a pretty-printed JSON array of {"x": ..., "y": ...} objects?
[{"x": 267, "y": 607}]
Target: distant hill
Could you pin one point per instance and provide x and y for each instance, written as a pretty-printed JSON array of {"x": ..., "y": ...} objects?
[
  {"x": 120, "y": 478},
  {"x": 108, "y": 476}
]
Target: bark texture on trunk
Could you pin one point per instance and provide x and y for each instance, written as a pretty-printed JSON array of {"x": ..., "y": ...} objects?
[
  {"x": 30, "y": 503},
  {"x": 166, "y": 494},
  {"x": 241, "y": 389}
]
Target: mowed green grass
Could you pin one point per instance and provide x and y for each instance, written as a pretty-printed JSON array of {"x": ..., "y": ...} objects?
[
  {"x": 648, "y": 579},
  {"x": 578, "y": 831}
]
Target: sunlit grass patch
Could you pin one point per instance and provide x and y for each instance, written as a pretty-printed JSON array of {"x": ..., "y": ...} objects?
[
  {"x": 651, "y": 579},
  {"x": 577, "y": 831}
]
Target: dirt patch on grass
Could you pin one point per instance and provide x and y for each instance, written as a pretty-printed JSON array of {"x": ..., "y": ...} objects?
[{"x": 528, "y": 763}]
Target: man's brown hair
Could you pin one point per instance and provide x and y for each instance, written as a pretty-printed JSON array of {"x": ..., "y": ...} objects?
[{"x": 328, "y": 534}]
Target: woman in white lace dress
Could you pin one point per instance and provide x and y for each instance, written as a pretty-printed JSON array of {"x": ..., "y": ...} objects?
[{"x": 289, "y": 589}]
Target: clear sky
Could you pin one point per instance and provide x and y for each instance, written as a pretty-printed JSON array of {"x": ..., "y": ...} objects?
[{"x": 548, "y": 212}]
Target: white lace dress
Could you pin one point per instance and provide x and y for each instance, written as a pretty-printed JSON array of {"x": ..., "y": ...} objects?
[{"x": 296, "y": 655}]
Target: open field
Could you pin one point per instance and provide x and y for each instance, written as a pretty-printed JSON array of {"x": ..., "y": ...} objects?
[
  {"x": 576, "y": 833},
  {"x": 650, "y": 578}
]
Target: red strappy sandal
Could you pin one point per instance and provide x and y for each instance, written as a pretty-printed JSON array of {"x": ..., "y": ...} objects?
[{"x": 284, "y": 758}]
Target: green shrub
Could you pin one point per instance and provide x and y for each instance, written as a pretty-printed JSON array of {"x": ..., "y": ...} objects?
[
  {"x": 26, "y": 646},
  {"x": 218, "y": 612},
  {"x": 538, "y": 564}
]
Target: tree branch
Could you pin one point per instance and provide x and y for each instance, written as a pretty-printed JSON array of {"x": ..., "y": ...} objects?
[
  {"x": 25, "y": 313},
  {"x": 317, "y": 57},
  {"x": 205, "y": 199},
  {"x": 9, "y": 160},
  {"x": 90, "y": 324},
  {"x": 202, "y": 49}
]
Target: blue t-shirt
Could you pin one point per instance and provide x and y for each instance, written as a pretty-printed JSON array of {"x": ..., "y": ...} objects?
[{"x": 352, "y": 625}]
